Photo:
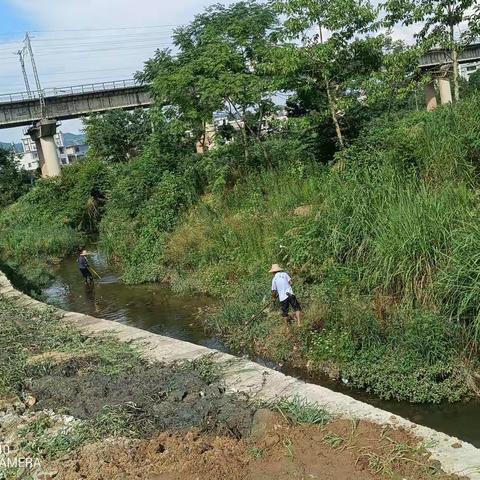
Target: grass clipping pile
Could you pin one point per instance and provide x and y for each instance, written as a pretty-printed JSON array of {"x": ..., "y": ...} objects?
[{"x": 86, "y": 408}]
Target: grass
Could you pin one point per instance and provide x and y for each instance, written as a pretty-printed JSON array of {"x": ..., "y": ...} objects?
[
  {"x": 380, "y": 247},
  {"x": 257, "y": 452},
  {"x": 287, "y": 443},
  {"x": 335, "y": 441},
  {"x": 377, "y": 248},
  {"x": 299, "y": 411},
  {"x": 29, "y": 332},
  {"x": 53, "y": 219},
  {"x": 207, "y": 369}
]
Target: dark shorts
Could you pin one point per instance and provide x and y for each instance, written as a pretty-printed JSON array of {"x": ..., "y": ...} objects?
[
  {"x": 86, "y": 273},
  {"x": 290, "y": 301}
]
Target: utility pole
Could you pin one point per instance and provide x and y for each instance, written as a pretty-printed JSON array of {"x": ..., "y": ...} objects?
[
  {"x": 35, "y": 73},
  {"x": 21, "y": 56}
]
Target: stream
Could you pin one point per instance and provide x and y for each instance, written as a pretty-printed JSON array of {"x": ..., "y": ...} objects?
[{"x": 154, "y": 307}]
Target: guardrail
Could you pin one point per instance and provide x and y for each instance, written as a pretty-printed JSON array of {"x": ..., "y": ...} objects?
[
  {"x": 72, "y": 90},
  {"x": 441, "y": 56}
]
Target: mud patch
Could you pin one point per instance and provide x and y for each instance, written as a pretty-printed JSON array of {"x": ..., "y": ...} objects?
[{"x": 157, "y": 397}]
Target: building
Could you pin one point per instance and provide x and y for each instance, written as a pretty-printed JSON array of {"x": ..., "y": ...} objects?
[
  {"x": 223, "y": 120},
  {"x": 467, "y": 69},
  {"x": 70, "y": 149}
]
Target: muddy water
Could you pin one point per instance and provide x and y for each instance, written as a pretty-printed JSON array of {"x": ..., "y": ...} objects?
[
  {"x": 157, "y": 309},
  {"x": 152, "y": 307}
]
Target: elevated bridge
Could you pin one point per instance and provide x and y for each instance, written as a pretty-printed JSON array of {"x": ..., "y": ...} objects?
[
  {"x": 439, "y": 57},
  {"x": 438, "y": 63},
  {"x": 24, "y": 108},
  {"x": 41, "y": 110}
]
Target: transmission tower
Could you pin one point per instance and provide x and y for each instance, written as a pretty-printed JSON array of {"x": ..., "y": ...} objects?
[
  {"x": 28, "y": 45},
  {"x": 21, "y": 55}
]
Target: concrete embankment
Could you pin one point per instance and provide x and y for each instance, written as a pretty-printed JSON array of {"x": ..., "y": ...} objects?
[{"x": 241, "y": 375}]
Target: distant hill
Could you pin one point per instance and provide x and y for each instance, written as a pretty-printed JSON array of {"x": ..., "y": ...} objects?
[
  {"x": 8, "y": 146},
  {"x": 73, "y": 139}
]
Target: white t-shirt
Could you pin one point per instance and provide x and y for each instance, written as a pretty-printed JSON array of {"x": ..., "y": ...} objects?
[{"x": 281, "y": 285}]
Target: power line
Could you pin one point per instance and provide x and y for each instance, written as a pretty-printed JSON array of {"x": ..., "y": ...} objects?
[
  {"x": 101, "y": 47},
  {"x": 99, "y": 55},
  {"x": 109, "y": 36},
  {"x": 116, "y": 44},
  {"x": 101, "y": 29},
  {"x": 70, "y": 73}
]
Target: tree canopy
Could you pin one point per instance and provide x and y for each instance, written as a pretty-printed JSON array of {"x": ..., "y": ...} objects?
[{"x": 13, "y": 181}]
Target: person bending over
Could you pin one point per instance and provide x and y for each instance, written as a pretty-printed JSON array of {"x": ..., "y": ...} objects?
[{"x": 282, "y": 286}]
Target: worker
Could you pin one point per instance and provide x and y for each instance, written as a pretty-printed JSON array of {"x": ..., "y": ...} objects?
[
  {"x": 282, "y": 287},
  {"x": 83, "y": 265}
]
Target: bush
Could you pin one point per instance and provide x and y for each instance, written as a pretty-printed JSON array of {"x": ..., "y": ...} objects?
[{"x": 52, "y": 219}]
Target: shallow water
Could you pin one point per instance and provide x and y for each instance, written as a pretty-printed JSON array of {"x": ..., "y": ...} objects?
[{"x": 154, "y": 307}]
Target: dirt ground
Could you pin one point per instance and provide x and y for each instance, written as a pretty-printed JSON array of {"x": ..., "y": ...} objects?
[
  {"x": 342, "y": 450},
  {"x": 177, "y": 422}
]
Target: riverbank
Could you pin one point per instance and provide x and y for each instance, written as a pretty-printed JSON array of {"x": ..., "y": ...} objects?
[
  {"x": 382, "y": 246},
  {"x": 158, "y": 309},
  {"x": 246, "y": 381}
]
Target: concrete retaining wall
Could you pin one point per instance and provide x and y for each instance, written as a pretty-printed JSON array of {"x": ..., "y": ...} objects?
[{"x": 242, "y": 375}]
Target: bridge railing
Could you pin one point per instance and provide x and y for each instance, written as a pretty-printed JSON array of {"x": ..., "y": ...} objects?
[{"x": 72, "y": 90}]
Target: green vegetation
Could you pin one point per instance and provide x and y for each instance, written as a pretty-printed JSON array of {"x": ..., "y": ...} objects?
[
  {"x": 53, "y": 219},
  {"x": 31, "y": 333},
  {"x": 370, "y": 203},
  {"x": 105, "y": 385},
  {"x": 300, "y": 411},
  {"x": 13, "y": 183}
]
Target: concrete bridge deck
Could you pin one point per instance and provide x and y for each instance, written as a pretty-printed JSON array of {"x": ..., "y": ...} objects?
[
  {"x": 439, "y": 56},
  {"x": 22, "y": 109},
  {"x": 242, "y": 375}
]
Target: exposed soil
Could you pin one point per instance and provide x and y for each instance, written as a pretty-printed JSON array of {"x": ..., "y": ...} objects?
[
  {"x": 342, "y": 451},
  {"x": 165, "y": 397},
  {"x": 176, "y": 422}
]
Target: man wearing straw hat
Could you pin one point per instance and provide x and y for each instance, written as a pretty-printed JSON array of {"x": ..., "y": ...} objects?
[
  {"x": 282, "y": 286},
  {"x": 84, "y": 267}
]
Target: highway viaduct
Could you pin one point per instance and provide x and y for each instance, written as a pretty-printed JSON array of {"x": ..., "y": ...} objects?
[
  {"x": 438, "y": 62},
  {"x": 42, "y": 110}
]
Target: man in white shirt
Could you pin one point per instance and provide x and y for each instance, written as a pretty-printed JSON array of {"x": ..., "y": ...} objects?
[{"x": 282, "y": 286}]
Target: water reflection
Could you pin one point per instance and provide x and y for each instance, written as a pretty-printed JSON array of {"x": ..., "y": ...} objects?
[{"x": 151, "y": 307}]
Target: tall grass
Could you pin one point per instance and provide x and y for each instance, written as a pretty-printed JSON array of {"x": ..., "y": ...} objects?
[
  {"x": 387, "y": 244},
  {"x": 379, "y": 244},
  {"x": 53, "y": 218}
]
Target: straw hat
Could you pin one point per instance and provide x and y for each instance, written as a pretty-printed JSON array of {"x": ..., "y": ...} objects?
[{"x": 276, "y": 268}]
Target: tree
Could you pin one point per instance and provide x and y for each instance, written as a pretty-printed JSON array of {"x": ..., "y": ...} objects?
[
  {"x": 440, "y": 19},
  {"x": 118, "y": 135},
  {"x": 13, "y": 181},
  {"x": 397, "y": 82},
  {"x": 222, "y": 63},
  {"x": 331, "y": 52},
  {"x": 328, "y": 52}
]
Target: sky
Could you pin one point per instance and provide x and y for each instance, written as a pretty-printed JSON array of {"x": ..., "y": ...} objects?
[
  {"x": 86, "y": 41},
  {"x": 83, "y": 41}
]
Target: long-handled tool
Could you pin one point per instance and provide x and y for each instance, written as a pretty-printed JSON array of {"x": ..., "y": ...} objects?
[
  {"x": 93, "y": 270},
  {"x": 265, "y": 305}
]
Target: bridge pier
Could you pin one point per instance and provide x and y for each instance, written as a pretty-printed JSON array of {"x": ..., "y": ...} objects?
[
  {"x": 430, "y": 96},
  {"x": 42, "y": 133},
  {"x": 445, "y": 90}
]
